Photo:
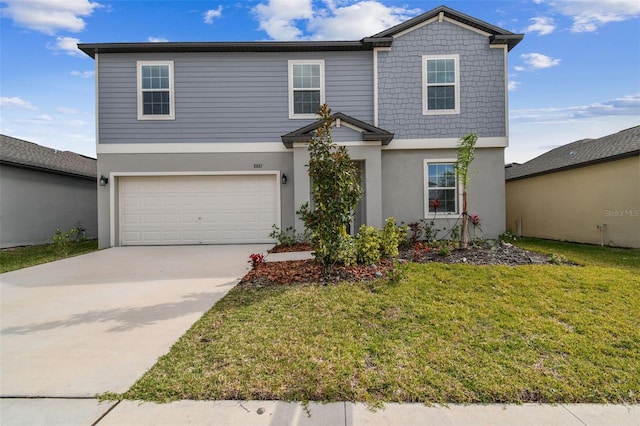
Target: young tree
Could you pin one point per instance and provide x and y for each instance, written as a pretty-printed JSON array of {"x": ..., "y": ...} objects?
[
  {"x": 335, "y": 193},
  {"x": 466, "y": 146}
]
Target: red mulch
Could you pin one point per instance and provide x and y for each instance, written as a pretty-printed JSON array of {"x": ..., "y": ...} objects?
[{"x": 309, "y": 271}]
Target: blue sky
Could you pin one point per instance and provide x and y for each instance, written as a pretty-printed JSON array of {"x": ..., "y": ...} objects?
[{"x": 576, "y": 74}]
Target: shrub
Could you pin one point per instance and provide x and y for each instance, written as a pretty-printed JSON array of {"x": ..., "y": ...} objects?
[
  {"x": 368, "y": 245},
  {"x": 335, "y": 192},
  {"x": 415, "y": 232},
  {"x": 256, "y": 259},
  {"x": 288, "y": 237},
  {"x": 391, "y": 237},
  {"x": 62, "y": 242}
]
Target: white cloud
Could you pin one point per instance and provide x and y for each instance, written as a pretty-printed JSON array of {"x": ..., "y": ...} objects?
[
  {"x": 278, "y": 17},
  {"x": 327, "y": 20},
  {"x": 43, "y": 117},
  {"x": 541, "y": 25},
  {"x": 538, "y": 61},
  {"x": 78, "y": 123},
  {"x": 589, "y": 15},
  {"x": 209, "y": 15},
  {"x": 83, "y": 74},
  {"x": 68, "y": 45},
  {"x": 15, "y": 102},
  {"x": 50, "y": 16},
  {"x": 625, "y": 106},
  {"x": 358, "y": 20},
  {"x": 513, "y": 85},
  {"x": 157, "y": 39}
]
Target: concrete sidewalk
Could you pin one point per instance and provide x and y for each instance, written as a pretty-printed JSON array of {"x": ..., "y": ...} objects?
[{"x": 70, "y": 412}]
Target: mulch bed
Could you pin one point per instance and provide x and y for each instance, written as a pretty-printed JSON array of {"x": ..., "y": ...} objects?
[
  {"x": 485, "y": 253},
  {"x": 308, "y": 271},
  {"x": 288, "y": 249}
]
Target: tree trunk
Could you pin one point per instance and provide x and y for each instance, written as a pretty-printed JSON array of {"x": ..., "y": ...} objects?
[{"x": 464, "y": 230}]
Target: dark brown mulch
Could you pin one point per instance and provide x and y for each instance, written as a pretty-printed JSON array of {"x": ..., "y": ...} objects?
[
  {"x": 309, "y": 271},
  {"x": 288, "y": 249}
]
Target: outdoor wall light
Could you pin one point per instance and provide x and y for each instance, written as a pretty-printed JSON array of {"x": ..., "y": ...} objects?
[
  {"x": 104, "y": 180},
  {"x": 284, "y": 179}
]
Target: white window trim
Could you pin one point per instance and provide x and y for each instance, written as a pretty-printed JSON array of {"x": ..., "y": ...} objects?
[
  {"x": 425, "y": 190},
  {"x": 293, "y": 62},
  {"x": 172, "y": 103},
  {"x": 425, "y": 104}
]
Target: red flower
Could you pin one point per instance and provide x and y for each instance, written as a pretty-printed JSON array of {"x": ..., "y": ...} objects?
[{"x": 435, "y": 203}]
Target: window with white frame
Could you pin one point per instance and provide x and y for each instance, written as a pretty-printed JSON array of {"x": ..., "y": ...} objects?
[
  {"x": 441, "y": 187},
  {"x": 306, "y": 88},
  {"x": 155, "y": 90},
  {"x": 441, "y": 84}
]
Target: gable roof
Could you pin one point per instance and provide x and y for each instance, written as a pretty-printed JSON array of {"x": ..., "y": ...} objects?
[
  {"x": 585, "y": 152},
  {"x": 498, "y": 35},
  {"x": 17, "y": 152},
  {"x": 382, "y": 39},
  {"x": 369, "y": 132}
]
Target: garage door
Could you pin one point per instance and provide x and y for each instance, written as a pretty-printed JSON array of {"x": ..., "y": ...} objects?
[{"x": 168, "y": 210}]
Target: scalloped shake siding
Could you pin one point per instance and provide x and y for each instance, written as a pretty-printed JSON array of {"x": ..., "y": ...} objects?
[{"x": 482, "y": 88}]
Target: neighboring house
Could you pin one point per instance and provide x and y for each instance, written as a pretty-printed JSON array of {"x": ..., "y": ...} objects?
[
  {"x": 587, "y": 191},
  {"x": 205, "y": 142},
  {"x": 41, "y": 190}
]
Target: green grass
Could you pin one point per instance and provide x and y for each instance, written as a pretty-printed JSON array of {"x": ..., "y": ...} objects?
[
  {"x": 586, "y": 254},
  {"x": 23, "y": 257},
  {"x": 448, "y": 334}
]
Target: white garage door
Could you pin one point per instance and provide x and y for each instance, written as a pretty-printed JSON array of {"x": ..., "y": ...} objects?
[{"x": 168, "y": 210}]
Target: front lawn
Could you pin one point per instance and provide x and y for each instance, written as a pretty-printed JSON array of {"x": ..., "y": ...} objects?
[
  {"x": 449, "y": 333},
  {"x": 23, "y": 257}
]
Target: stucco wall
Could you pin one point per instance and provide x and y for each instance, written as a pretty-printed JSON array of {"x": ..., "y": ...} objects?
[
  {"x": 572, "y": 204},
  {"x": 403, "y": 187},
  {"x": 170, "y": 163},
  {"x": 34, "y": 204}
]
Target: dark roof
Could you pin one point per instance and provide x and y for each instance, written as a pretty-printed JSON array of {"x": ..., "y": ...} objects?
[
  {"x": 17, "y": 152},
  {"x": 383, "y": 39},
  {"x": 585, "y": 152},
  {"x": 498, "y": 35},
  {"x": 250, "y": 46},
  {"x": 370, "y": 133}
]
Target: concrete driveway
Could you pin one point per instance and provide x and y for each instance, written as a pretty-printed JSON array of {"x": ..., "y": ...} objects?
[{"x": 95, "y": 323}]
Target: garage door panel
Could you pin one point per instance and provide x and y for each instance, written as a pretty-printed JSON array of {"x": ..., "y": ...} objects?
[{"x": 157, "y": 210}]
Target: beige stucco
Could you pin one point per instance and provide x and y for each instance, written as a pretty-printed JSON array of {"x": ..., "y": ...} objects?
[{"x": 574, "y": 205}]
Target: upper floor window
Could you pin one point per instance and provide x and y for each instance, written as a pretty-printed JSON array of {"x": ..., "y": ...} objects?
[
  {"x": 441, "y": 84},
  {"x": 155, "y": 90},
  {"x": 306, "y": 88},
  {"x": 441, "y": 188}
]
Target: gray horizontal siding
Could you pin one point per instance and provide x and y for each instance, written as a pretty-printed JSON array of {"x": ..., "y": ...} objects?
[
  {"x": 226, "y": 97},
  {"x": 482, "y": 84}
]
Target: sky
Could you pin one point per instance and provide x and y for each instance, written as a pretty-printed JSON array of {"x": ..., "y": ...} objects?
[{"x": 575, "y": 75}]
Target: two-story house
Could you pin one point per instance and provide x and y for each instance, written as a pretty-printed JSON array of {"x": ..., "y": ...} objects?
[{"x": 205, "y": 143}]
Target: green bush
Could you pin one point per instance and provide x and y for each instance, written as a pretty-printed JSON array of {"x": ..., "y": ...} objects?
[
  {"x": 391, "y": 237},
  {"x": 289, "y": 237},
  {"x": 344, "y": 254},
  {"x": 368, "y": 245},
  {"x": 62, "y": 242},
  {"x": 335, "y": 192}
]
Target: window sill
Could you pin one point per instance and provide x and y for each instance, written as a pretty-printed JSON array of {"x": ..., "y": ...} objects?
[{"x": 441, "y": 112}]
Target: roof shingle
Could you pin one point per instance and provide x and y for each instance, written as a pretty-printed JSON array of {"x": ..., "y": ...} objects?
[
  {"x": 27, "y": 154},
  {"x": 625, "y": 143}
]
